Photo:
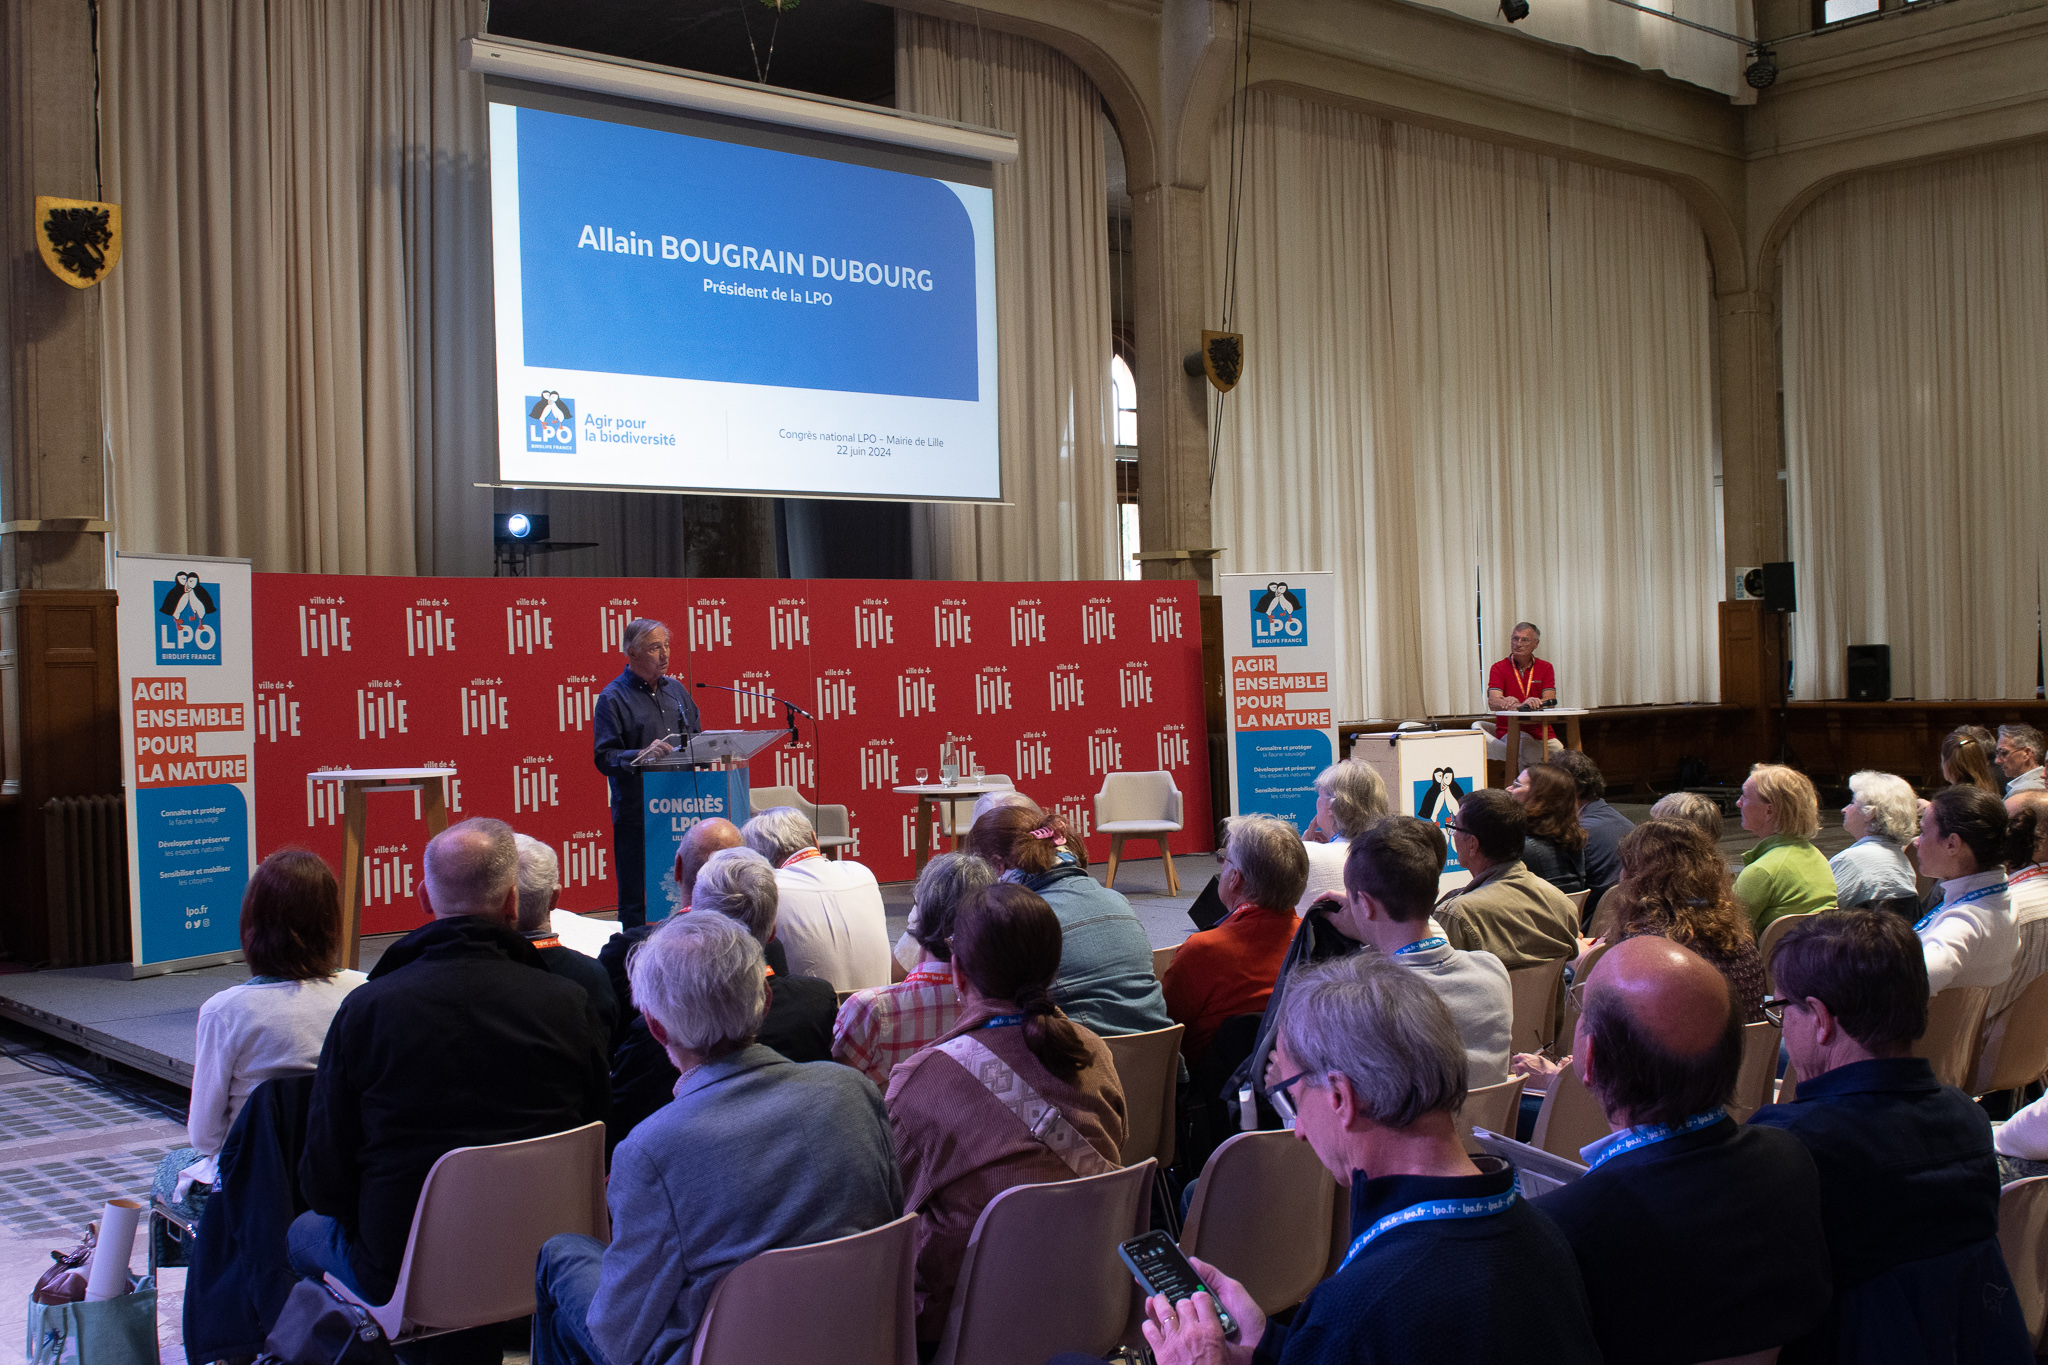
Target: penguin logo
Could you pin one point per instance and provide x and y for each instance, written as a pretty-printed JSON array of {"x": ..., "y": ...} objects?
[
  {"x": 1437, "y": 799},
  {"x": 1279, "y": 616},
  {"x": 550, "y": 423},
  {"x": 188, "y": 620}
]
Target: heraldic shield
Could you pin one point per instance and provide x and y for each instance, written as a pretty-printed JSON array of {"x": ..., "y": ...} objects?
[
  {"x": 1223, "y": 358},
  {"x": 80, "y": 238}
]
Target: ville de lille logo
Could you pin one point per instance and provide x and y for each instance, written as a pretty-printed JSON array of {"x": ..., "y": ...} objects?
[
  {"x": 188, "y": 621},
  {"x": 550, "y": 422},
  {"x": 1279, "y": 616}
]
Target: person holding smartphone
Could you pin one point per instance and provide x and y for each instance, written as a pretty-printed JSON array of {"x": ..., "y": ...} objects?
[
  {"x": 1447, "y": 1261},
  {"x": 643, "y": 714}
]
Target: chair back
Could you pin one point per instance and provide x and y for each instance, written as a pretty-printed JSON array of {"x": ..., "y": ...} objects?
[
  {"x": 1578, "y": 900},
  {"x": 830, "y": 822},
  {"x": 1535, "y": 995},
  {"x": 1954, "y": 1019},
  {"x": 1570, "y": 1118},
  {"x": 1492, "y": 1107},
  {"x": 478, "y": 1228},
  {"x": 2021, "y": 1054},
  {"x": 2023, "y": 1237},
  {"x": 1260, "y": 1215},
  {"x": 1568, "y": 1023},
  {"x": 1759, "y": 1068},
  {"x": 1041, "y": 1274},
  {"x": 1148, "y": 1067},
  {"x": 858, "y": 1295},
  {"x": 1162, "y": 958},
  {"x": 1768, "y": 944},
  {"x": 1150, "y": 797}
]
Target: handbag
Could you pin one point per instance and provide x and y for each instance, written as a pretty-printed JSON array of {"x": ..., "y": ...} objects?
[
  {"x": 117, "y": 1331},
  {"x": 320, "y": 1327}
]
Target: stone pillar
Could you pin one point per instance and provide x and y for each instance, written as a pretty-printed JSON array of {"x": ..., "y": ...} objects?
[
  {"x": 53, "y": 500},
  {"x": 1752, "y": 435},
  {"x": 1173, "y": 419}
]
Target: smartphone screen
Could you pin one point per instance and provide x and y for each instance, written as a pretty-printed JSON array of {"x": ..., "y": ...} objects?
[{"x": 1161, "y": 1269}]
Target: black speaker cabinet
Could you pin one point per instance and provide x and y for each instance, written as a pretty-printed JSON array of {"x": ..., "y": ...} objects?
[
  {"x": 1779, "y": 594},
  {"x": 1870, "y": 672}
]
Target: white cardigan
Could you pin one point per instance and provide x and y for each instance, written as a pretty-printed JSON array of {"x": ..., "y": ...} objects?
[{"x": 1970, "y": 944}]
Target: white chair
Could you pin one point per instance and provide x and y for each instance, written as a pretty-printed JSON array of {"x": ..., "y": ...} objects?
[
  {"x": 956, "y": 816},
  {"x": 831, "y": 823},
  {"x": 1139, "y": 806}
]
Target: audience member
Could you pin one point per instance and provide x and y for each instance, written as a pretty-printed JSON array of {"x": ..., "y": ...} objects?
[
  {"x": 271, "y": 1025},
  {"x": 1882, "y": 817},
  {"x": 954, "y": 1106},
  {"x": 2026, "y": 854},
  {"x": 699, "y": 842},
  {"x": 1679, "y": 1184},
  {"x": 460, "y": 1038},
  {"x": 1966, "y": 759},
  {"x": 540, "y": 886},
  {"x": 2019, "y": 757},
  {"x": 1605, "y": 826},
  {"x": 832, "y": 923},
  {"x": 1908, "y": 1180},
  {"x": 882, "y": 1025},
  {"x": 1349, "y": 796},
  {"x": 1784, "y": 874},
  {"x": 1105, "y": 980},
  {"x": 1554, "y": 842},
  {"x": 1695, "y": 809},
  {"x": 1447, "y": 1262},
  {"x": 1674, "y": 885},
  {"x": 1970, "y": 936},
  {"x": 1230, "y": 969},
  {"x": 909, "y": 951},
  {"x": 1505, "y": 909},
  {"x": 754, "y": 1153}
]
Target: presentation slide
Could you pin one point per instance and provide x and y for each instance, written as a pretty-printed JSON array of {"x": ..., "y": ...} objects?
[{"x": 677, "y": 311}]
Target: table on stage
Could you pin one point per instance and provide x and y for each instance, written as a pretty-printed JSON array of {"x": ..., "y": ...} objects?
[
  {"x": 1511, "y": 723},
  {"x": 929, "y": 794},
  {"x": 356, "y": 784}
]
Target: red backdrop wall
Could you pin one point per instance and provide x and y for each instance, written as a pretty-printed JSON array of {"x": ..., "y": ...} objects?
[{"x": 1052, "y": 683}]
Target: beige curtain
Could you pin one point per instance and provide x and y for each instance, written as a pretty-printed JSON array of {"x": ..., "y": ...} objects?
[
  {"x": 1473, "y": 375},
  {"x": 298, "y": 339},
  {"x": 1649, "y": 41},
  {"x": 1052, "y": 299},
  {"x": 1915, "y": 311}
]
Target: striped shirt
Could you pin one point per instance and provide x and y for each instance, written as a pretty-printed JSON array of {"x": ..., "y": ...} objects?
[{"x": 883, "y": 1025}]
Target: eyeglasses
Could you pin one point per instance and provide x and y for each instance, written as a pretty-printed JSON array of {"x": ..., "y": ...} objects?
[
  {"x": 1283, "y": 1087},
  {"x": 1774, "y": 1010},
  {"x": 1577, "y": 996},
  {"x": 1452, "y": 827}
]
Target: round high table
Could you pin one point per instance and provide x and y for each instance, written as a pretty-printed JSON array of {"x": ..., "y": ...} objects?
[
  {"x": 356, "y": 785},
  {"x": 928, "y": 795}
]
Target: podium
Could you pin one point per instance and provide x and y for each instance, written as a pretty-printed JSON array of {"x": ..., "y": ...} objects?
[
  {"x": 704, "y": 780},
  {"x": 1427, "y": 773}
]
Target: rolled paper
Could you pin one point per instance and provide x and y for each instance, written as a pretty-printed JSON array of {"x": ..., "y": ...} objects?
[{"x": 107, "y": 1275}]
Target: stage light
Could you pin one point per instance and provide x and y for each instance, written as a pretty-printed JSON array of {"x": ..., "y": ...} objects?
[
  {"x": 517, "y": 526},
  {"x": 1514, "y": 11},
  {"x": 1762, "y": 70}
]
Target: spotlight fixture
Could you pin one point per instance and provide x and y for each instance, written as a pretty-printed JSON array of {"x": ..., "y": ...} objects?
[
  {"x": 518, "y": 526},
  {"x": 1762, "y": 69},
  {"x": 1514, "y": 11}
]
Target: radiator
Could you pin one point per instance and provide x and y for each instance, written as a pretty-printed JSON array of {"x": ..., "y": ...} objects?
[{"x": 86, "y": 856}]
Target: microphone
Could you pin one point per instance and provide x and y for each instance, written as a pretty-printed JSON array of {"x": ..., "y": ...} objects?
[{"x": 793, "y": 709}]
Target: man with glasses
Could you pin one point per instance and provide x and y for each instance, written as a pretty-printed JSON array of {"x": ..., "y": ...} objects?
[
  {"x": 1908, "y": 1180},
  {"x": 1699, "y": 1238},
  {"x": 2019, "y": 753},
  {"x": 1505, "y": 909}
]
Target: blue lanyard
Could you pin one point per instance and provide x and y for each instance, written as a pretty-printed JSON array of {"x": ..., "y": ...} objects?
[
  {"x": 1430, "y": 1211},
  {"x": 1979, "y": 894},
  {"x": 1657, "y": 1132},
  {"x": 1421, "y": 945},
  {"x": 1001, "y": 1021}
]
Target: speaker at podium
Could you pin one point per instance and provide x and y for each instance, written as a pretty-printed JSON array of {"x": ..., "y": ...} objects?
[{"x": 705, "y": 779}]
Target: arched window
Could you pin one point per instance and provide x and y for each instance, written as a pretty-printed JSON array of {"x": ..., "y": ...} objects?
[{"x": 1123, "y": 393}]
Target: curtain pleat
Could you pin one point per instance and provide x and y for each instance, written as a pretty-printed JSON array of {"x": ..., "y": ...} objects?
[
  {"x": 1052, "y": 301},
  {"x": 1915, "y": 332},
  {"x": 1440, "y": 330}
]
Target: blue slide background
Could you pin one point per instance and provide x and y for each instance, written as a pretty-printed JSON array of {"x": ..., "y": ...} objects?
[{"x": 619, "y": 314}]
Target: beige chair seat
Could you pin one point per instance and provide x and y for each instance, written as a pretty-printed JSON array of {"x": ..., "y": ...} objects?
[
  {"x": 1139, "y": 806},
  {"x": 858, "y": 1295}
]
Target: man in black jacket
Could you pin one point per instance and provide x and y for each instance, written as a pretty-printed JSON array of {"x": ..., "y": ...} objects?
[
  {"x": 460, "y": 1038},
  {"x": 1908, "y": 1180},
  {"x": 540, "y": 886},
  {"x": 1698, "y": 1237}
]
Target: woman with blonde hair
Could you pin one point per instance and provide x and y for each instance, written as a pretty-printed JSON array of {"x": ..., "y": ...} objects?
[
  {"x": 1784, "y": 874},
  {"x": 1966, "y": 759}
]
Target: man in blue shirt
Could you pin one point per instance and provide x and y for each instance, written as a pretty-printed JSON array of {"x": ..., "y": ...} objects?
[
  {"x": 1908, "y": 1180},
  {"x": 634, "y": 718}
]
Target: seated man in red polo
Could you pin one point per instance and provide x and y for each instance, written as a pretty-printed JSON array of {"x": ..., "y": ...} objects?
[
  {"x": 1522, "y": 682},
  {"x": 1230, "y": 969}
]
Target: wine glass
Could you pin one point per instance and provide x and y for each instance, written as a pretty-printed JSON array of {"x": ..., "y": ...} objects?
[{"x": 924, "y": 775}]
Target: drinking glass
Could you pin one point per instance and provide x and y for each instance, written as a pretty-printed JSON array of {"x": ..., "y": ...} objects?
[
  {"x": 924, "y": 775},
  {"x": 949, "y": 773},
  {"x": 979, "y": 771}
]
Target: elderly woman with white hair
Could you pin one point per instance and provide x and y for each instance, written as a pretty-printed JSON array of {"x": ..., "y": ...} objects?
[
  {"x": 1883, "y": 816},
  {"x": 1349, "y": 796},
  {"x": 752, "y": 1154},
  {"x": 739, "y": 884}
]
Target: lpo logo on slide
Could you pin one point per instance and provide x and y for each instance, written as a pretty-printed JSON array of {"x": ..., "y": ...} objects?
[
  {"x": 189, "y": 632},
  {"x": 550, "y": 422},
  {"x": 1279, "y": 617}
]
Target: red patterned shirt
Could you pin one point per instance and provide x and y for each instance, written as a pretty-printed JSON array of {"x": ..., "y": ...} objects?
[{"x": 883, "y": 1025}]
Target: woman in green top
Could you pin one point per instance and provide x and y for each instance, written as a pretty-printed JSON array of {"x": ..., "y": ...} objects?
[{"x": 1784, "y": 874}]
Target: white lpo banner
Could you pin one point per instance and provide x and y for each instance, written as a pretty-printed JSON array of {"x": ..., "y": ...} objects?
[{"x": 1278, "y": 648}]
